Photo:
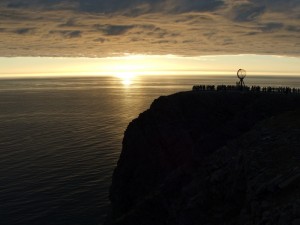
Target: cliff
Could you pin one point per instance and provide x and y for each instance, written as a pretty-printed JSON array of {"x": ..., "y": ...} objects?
[{"x": 210, "y": 158}]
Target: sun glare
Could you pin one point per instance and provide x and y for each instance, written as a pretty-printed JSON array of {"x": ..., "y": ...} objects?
[{"x": 126, "y": 77}]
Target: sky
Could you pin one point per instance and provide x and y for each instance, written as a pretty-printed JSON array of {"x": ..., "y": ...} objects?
[{"x": 149, "y": 36}]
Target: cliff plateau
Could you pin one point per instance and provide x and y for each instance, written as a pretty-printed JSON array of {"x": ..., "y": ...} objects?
[{"x": 210, "y": 158}]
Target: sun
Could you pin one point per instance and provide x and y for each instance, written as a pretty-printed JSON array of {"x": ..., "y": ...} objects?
[{"x": 126, "y": 77}]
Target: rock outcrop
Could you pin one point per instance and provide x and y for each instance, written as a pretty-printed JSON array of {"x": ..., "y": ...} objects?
[{"x": 210, "y": 158}]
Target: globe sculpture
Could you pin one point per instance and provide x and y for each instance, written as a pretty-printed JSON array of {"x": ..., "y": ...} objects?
[{"x": 241, "y": 74}]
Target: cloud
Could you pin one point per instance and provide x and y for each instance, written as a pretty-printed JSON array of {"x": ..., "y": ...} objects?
[
  {"x": 247, "y": 12},
  {"x": 138, "y": 7},
  {"x": 279, "y": 5},
  {"x": 69, "y": 23},
  {"x": 270, "y": 27},
  {"x": 17, "y": 5},
  {"x": 67, "y": 33},
  {"x": 101, "y": 40},
  {"x": 113, "y": 29},
  {"x": 197, "y": 6},
  {"x": 24, "y": 30},
  {"x": 292, "y": 28},
  {"x": 100, "y": 28}
]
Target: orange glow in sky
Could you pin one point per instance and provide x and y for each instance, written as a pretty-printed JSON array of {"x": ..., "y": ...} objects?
[{"x": 134, "y": 65}]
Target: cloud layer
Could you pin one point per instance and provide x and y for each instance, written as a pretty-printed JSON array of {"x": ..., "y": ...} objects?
[{"x": 100, "y": 28}]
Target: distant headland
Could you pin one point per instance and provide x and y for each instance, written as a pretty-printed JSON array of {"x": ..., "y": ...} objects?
[{"x": 214, "y": 155}]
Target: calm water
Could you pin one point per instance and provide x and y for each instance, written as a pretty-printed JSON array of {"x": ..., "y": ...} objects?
[{"x": 61, "y": 138}]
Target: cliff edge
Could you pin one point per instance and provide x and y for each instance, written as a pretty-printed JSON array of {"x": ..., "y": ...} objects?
[{"x": 210, "y": 158}]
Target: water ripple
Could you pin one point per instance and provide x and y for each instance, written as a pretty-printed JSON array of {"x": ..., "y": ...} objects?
[{"x": 61, "y": 138}]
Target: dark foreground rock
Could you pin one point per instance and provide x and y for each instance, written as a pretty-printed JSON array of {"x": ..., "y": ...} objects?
[{"x": 210, "y": 158}]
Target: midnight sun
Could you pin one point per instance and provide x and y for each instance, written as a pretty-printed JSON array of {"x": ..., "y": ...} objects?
[{"x": 126, "y": 77}]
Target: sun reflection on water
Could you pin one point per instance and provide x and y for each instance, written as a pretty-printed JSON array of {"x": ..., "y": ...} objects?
[{"x": 126, "y": 78}]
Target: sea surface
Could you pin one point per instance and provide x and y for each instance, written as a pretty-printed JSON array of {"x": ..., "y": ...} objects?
[{"x": 60, "y": 139}]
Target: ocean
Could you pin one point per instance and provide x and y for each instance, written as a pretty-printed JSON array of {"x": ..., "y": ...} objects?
[{"x": 60, "y": 139}]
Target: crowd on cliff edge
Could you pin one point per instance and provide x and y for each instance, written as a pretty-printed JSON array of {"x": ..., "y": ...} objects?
[{"x": 284, "y": 90}]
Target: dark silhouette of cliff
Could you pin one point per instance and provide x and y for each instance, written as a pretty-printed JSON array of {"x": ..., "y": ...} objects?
[{"x": 210, "y": 158}]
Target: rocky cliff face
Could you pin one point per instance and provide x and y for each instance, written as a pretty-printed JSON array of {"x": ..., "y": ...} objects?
[{"x": 211, "y": 158}]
